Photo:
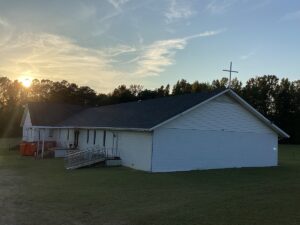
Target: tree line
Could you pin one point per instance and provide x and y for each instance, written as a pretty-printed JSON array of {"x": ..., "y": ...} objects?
[{"x": 277, "y": 99}]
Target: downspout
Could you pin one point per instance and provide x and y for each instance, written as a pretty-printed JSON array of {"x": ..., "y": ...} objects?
[
  {"x": 38, "y": 144},
  {"x": 43, "y": 146},
  {"x": 152, "y": 135},
  {"x": 117, "y": 146}
]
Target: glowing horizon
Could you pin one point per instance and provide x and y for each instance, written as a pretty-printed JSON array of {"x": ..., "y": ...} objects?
[{"x": 26, "y": 81}]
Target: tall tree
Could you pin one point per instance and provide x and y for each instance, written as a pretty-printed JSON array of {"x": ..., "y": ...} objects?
[
  {"x": 122, "y": 94},
  {"x": 182, "y": 87},
  {"x": 199, "y": 87},
  {"x": 260, "y": 92},
  {"x": 284, "y": 107},
  {"x": 278, "y": 100},
  {"x": 217, "y": 84}
]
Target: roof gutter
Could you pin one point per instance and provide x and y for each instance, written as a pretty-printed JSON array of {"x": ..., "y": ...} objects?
[{"x": 103, "y": 128}]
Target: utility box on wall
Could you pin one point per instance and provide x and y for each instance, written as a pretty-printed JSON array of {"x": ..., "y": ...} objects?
[{"x": 113, "y": 162}]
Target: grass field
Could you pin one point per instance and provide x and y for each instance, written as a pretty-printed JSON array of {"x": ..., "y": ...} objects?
[{"x": 42, "y": 192}]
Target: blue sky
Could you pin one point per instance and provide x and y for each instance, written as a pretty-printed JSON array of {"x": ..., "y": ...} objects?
[{"x": 150, "y": 42}]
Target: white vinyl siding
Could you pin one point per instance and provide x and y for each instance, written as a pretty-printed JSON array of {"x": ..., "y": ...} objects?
[
  {"x": 222, "y": 113},
  {"x": 182, "y": 150},
  {"x": 27, "y": 121},
  {"x": 218, "y": 134},
  {"x": 27, "y": 132},
  {"x": 135, "y": 149},
  {"x": 62, "y": 138}
]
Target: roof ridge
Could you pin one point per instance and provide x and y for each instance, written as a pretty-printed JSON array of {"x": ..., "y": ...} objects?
[
  {"x": 135, "y": 114},
  {"x": 219, "y": 90}
]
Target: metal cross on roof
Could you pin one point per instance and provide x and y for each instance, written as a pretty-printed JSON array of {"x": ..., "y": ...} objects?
[{"x": 230, "y": 71}]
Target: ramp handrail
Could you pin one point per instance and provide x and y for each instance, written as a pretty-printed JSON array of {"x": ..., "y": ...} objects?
[{"x": 84, "y": 157}]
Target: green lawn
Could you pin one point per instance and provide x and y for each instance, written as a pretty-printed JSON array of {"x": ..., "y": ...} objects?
[{"x": 42, "y": 192}]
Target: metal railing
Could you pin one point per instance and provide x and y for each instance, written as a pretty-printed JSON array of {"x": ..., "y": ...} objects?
[{"x": 80, "y": 158}]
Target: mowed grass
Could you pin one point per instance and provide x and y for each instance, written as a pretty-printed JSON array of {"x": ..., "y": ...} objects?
[{"x": 42, "y": 192}]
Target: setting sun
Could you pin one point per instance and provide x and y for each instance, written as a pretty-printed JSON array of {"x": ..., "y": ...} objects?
[{"x": 26, "y": 82}]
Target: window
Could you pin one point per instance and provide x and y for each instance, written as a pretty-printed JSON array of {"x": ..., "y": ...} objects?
[
  {"x": 104, "y": 138},
  {"x": 30, "y": 132},
  {"x": 87, "y": 136},
  {"x": 68, "y": 134},
  {"x": 27, "y": 133},
  {"x": 95, "y": 133}
]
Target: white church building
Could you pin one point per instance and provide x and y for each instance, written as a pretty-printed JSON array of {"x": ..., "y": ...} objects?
[{"x": 178, "y": 133}]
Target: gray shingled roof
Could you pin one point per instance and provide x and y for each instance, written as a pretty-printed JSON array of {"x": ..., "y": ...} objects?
[
  {"x": 51, "y": 114},
  {"x": 132, "y": 115}
]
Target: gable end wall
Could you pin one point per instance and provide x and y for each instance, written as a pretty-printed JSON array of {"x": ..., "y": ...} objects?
[{"x": 222, "y": 113}]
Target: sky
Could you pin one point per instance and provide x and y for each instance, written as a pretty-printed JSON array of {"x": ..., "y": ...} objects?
[{"x": 105, "y": 43}]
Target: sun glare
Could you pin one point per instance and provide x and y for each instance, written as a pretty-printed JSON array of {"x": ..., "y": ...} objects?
[{"x": 26, "y": 82}]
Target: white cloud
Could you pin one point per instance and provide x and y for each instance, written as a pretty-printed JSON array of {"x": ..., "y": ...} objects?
[
  {"x": 178, "y": 10},
  {"x": 56, "y": 57},
  {"x": 6, "y": 31},
  {"x": 291, "y": 16},
  {"x": 205, "y": 34},
  {"x": 219, "y": 6},
  {"x": 87, "y": 11},
  {"x": 261, "y": 4},
  {"x": 223, "y": 6},
  {"x": 140, "y": 39},
  {"x": 3, "y": 22},
  {"x": 120, "y": 50},
  {"x": 157, "y": 56},
  {"x": 111, "y": 14},
  {"x": 117, "y": 3},
  {"x": 248, "y": 55}
]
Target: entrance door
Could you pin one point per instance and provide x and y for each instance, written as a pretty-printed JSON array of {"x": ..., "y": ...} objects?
[
  {"x": 115, "y": 145},
  {"x": 76, "y": 137}
]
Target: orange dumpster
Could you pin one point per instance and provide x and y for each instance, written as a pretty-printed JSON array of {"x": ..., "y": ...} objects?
[
  {"x": 32, "y": 149},
  {"x": 22, "y": 148},
  {"x": 28, "y": 149}
]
